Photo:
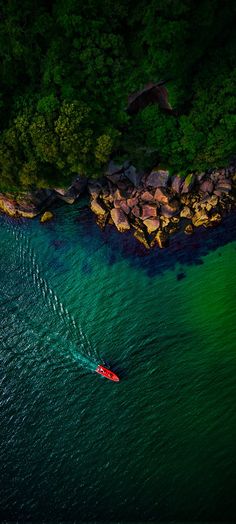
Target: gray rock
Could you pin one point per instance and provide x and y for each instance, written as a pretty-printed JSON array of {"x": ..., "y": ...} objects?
[
  {"x": 176, "y": 183},
  {"x": 113, "y": 168},
  {"x": 158, "y": 178},
  {"x": 133, "y": 176},
  {"x": 207, "y": 186}
]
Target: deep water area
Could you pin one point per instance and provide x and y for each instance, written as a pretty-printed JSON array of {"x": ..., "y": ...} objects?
[{"x": 160, "y": 444}]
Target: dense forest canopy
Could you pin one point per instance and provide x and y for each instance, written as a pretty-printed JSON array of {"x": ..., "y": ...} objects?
[{"x": 68, "y": 66}]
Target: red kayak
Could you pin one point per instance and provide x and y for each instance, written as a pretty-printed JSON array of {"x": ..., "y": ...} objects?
[{"x": 107, "y": 373}]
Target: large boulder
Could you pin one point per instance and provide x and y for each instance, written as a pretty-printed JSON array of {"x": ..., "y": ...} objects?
[
  {"x": 94, "y": 189},
  {"x": 161, "y": 196},
  {"x": 136, "y": 211},
  {"x": 71, "y": 194},
  {"x": 148, "y": 210},
  {"x": 177, "y": 183},
  {"x": 170, "y": 210},
  {"x": 46, "y": 216},
  {"x": 97, "y": 208},
  {"x": 224, "y": 185},
  {"x": 158, "y": 178},
  {"x": 152, "y": 224},
  {"x": 119, "y": 194},
  {"x": 188, "y": 183},
  {"x": 132, "y": 201},
  {"x": 147, "y": 196},
  {"x": 114, "y": 172},
  {"x": 133, "y": 176},
  {"x": 119, "y": 218},
  {"x": 207, "y": 186},
  {"x": 124, "y": 207}
]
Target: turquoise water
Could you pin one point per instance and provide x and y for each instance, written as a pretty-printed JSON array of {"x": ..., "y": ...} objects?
[{"x": 160, "y": 444}]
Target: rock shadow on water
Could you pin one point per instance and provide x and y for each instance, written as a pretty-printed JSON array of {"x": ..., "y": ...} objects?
[
  {"x": 86, "y": 268},
  {"x": 182, "y": 250},
  {"x": 58, "y": 244},
  {"x": 180, "y": 276}
]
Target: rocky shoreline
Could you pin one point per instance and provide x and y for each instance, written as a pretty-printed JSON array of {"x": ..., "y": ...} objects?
[
  {"x": 156, "y": 205},
  {"x": 153, "y": 205}
]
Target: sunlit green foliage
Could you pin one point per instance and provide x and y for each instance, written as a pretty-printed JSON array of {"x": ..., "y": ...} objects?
[{"x": 67, "y": 67}]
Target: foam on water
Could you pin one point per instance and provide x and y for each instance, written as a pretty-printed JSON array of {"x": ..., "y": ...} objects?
[{"x": 76, "y": 341}]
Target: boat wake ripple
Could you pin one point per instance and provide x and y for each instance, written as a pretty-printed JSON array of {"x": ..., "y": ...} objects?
[{"x": 69, "y": 331}]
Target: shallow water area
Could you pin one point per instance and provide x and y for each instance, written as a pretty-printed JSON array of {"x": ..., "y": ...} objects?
[{"x": 160, "y": 444}]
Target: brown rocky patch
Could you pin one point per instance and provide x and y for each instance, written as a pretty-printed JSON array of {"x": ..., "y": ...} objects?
[
  {"x": 152, "y": 224},
  {"x": 148, "y": 211},
  {"x": 119, "y": 218}
]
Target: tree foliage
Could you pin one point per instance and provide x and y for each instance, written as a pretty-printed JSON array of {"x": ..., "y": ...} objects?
[{"x": 67, "y": 67}]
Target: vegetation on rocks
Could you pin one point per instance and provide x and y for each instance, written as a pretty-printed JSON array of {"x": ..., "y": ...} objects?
[{"x": 67, "y": 69}]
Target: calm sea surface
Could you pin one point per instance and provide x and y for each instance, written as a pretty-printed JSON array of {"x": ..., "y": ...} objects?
[{"x": 160, "y": 444}]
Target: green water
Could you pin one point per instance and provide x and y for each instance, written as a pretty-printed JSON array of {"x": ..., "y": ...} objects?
[{"x": 160, "y": 444}]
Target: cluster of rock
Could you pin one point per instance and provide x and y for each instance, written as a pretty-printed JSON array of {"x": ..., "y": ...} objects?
[
  {"x": 30, "y": 204},
  {"x": 156, "y": 205}
]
